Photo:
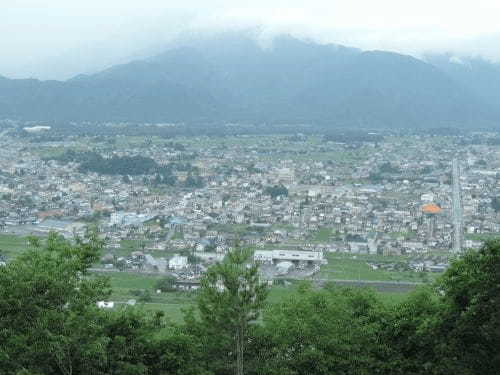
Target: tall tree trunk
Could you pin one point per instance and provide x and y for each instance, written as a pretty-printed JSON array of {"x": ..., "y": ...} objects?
[{"x": 239, "y": 351}]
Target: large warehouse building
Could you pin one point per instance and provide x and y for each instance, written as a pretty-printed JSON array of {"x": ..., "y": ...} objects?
[{"x": 295, "y": 256}]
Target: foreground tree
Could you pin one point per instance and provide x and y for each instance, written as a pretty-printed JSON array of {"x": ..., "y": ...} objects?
[
  {"x": 138, "y": 343},
  {"x": 471, "y": 322},
  {"x": 50, "y": 324},
  {"x": 230, "y": 300},
  {"x": 453, "y": 328},
  {"x": 320, "y": 332},
  {"x": 166, "y": 284},
  {"x": 47, "y": 299},
  {"x": 409, "y": 338}
]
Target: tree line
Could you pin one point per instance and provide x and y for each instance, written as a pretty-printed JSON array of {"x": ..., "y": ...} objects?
[
  {"x": 50, "y": 324},
  {"x": 91, "y": 161}
]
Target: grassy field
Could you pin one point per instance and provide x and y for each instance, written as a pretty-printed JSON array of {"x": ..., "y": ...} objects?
[
  {"x": 346, "y": 267},
  {"x": 280, "y": 293},
  {"x": 341, "y": 156},
  {"x": 285, "y": 227},
  {"x": 238, "y": 141},
  {"x": 173, "y": 304},
  {"x": 54, "y": 152},
  {"x": 173, "y": 311},
  {"x": 268, "y": 145},
  {"x": 11, "y": 245},
  {"x": 127, "y": 142},
  {"x": 323, "y": 235},
  {"x": 128, "y": 246},
  {"x": 178, "y": 236},
  {"x": 127, "y": 280},
  {"x": 482, "y": 237}
]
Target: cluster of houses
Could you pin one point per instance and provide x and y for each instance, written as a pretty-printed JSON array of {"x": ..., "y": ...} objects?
[{"x": 268, "y": 192}]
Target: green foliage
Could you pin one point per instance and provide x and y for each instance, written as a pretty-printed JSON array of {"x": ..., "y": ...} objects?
[
  {"x": 145, "y": 296},
  {"x": 383, "y": 172},
  {"x": 48, "y": 307},
  {"x": 276, "y": 191},
  {"x": 231, "y": 292},
  {"x": 408, "y": 335},
  {"x": 163, "y": 175},
  {"x": 50, "y": 324},
  {"x": 230, "y": 300},
  {"x": 471, "y": 324},
  {"x": 131, "y": 165},
  {"x": 375, "y": 177},
  {"x": 91, "y": 161},
  {"x": 495, "y": 203},
  {"x": 166, "y": 284},
  {"x": 210, "y": 248},
  {"x": 388, "y": 168},
  {"x": 453, "y": 328},
  {"x": 332, "y": 331},
  {"x": 194, "y": 181}
]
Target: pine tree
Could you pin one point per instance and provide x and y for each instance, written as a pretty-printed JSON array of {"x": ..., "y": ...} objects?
[{"x": 230, "y": 300}]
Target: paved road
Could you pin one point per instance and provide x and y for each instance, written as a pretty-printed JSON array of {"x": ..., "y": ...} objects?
[{"x": 457, "y": 208}]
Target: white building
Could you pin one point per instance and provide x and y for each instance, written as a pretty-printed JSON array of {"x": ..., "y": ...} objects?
[
  {"x": 36, "y": 129},
  {"x": 178, "y": 262},
  {"x": 128, "y": 218},
  {"x": 105, "y": 304},
  {"x": 286, "y": 175},
  {"x": 427, "y": 197},
  {"x": 270, "y": 256},
  {"x": 284, "y": 267}
]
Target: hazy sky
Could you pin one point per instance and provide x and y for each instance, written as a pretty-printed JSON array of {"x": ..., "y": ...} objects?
[{"x": 61, "y": 38}]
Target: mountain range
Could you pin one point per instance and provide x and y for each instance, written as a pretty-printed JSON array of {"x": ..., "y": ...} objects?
[{"x": 231, "y": 78}]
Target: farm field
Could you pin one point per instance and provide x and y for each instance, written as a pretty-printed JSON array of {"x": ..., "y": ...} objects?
[
  {"x": 173, "y": 303},
  {"x": 355, "y": 267},
  {"x": 482, "y": 237}
]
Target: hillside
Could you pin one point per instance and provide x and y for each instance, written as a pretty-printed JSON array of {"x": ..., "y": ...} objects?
[{"x": 231, "y": 78}]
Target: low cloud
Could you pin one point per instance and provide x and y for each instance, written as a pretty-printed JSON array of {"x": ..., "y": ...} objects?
[{"x": 60, "y": 38}]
